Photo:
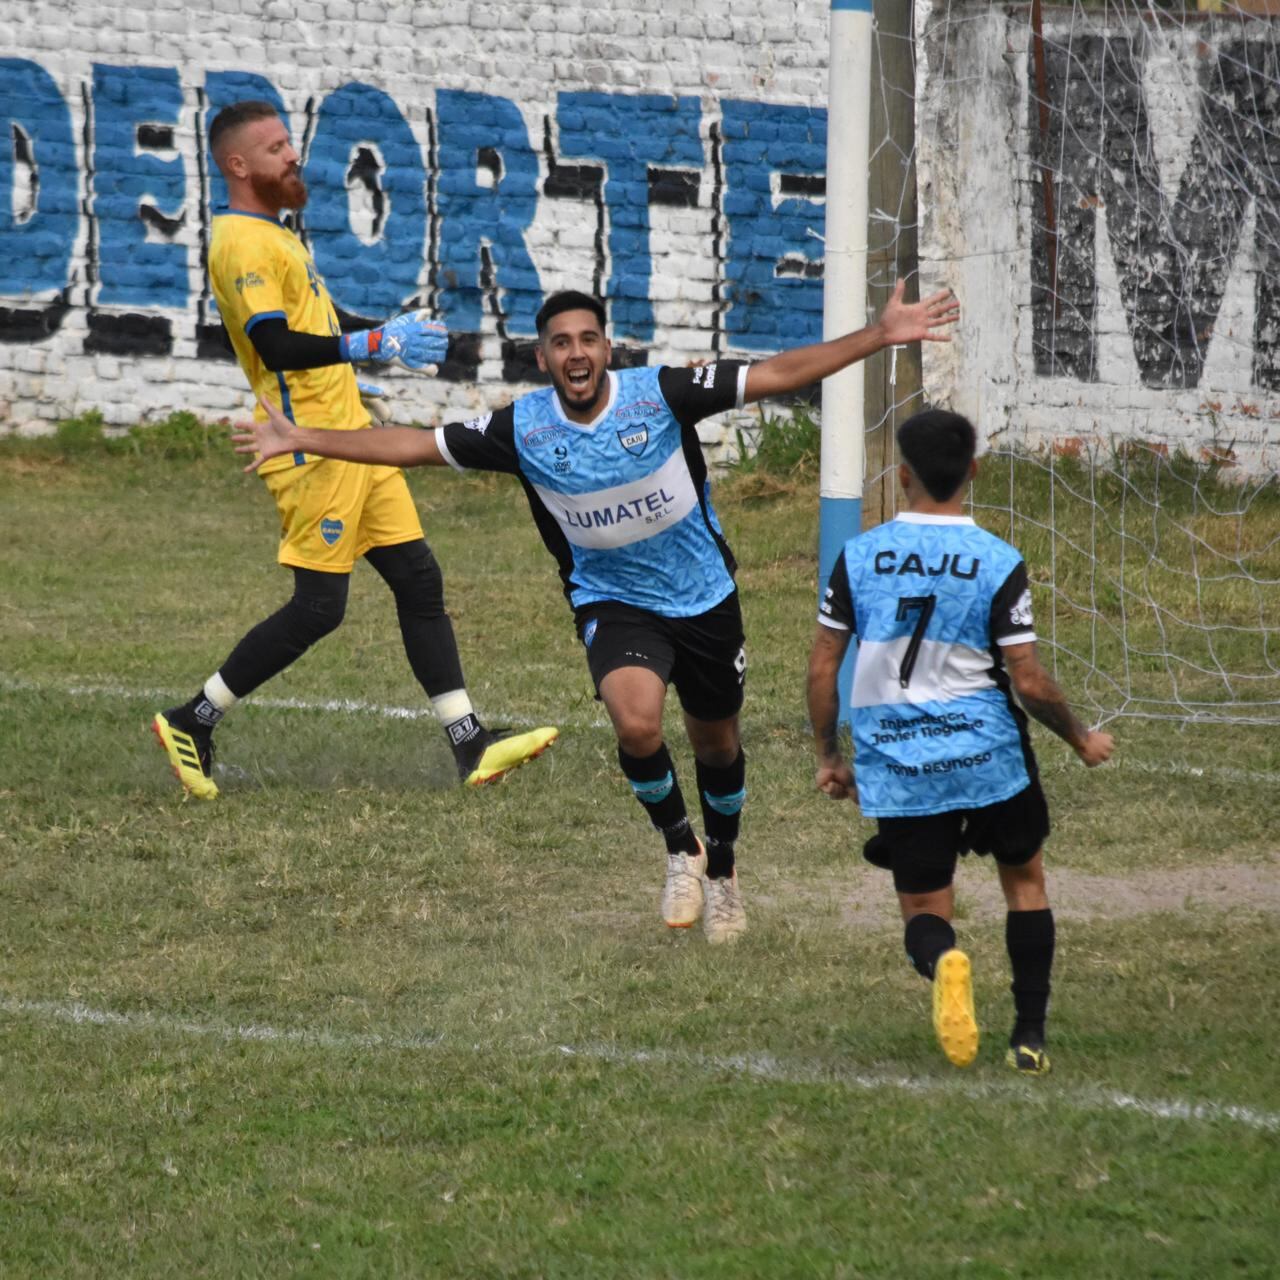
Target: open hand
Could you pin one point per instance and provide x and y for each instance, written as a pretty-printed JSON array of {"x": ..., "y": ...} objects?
[
  {"x": 902, "y": 322},
  {"x": 267, "y": 439},
  {"x": 413, "y": 340},
  {"x": 375, "y": 401}
]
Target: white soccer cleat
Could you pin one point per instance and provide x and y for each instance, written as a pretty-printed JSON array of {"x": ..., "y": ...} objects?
[
  {"x": 724, "y": 918},
  {"x": 682, "y": 893}
]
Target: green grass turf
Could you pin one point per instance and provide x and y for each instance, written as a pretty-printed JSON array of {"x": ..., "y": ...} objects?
[{"x": 353, "y": 1020}]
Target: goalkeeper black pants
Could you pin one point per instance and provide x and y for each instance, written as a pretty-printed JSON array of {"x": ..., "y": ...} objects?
[{"x": 319, "y": 603}]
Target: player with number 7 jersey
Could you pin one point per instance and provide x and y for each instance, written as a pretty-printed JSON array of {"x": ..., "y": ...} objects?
[
  {"x": 932, "y": 599},
  {"x": 942, "y": 613}
]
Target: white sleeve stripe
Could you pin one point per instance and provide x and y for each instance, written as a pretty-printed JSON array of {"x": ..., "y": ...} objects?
[
  {"x": 1022, "y": 637},
  {"x": 831, "y": 623},
  {"x": 742, "y": 386},
  {"x": 444, "y": 451}
]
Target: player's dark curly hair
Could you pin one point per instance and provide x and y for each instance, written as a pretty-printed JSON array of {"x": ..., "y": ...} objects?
[
  {"x": 231, "y": 118},
  {"x": 938, "y": 446},
  {"x": 569, "y": 300}
]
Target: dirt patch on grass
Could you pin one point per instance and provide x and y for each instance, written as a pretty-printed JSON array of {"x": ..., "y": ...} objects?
[
  {"x": 864, "y": 898},
  {"x": 1075, "y": 895}
]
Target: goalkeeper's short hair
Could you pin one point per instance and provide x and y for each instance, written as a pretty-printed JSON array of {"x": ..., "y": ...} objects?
[
  {"x": 230, "y": 118},
  {"x": 938, "y": 446}
]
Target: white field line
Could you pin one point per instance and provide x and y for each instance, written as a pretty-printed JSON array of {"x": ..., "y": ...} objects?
[
  {"x": 753, "y": 1066},
  {"x": 357, "y": 706},
  {"x": 160, "y": 698}
]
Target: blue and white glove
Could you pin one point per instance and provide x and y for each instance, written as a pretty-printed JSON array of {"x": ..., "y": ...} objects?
[
  {"x": 412, "y": 340},
  {"x": 375, "y": 401}
]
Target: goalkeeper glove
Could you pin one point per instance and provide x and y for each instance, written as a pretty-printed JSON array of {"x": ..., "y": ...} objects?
[
  {"x": 375, "y": 401},
  {"x": 412, "y": 340}
]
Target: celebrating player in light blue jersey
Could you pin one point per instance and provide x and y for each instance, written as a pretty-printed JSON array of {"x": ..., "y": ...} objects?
[
  {"x": 614, "y": 474},
  {"x": 942, "y": 614}
]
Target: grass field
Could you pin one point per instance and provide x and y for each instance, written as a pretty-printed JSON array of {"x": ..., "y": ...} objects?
[{"x": 351, "y": 1020}]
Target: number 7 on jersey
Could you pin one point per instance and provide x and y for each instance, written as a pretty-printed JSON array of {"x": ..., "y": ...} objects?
[{"x": 905, "y": 608}]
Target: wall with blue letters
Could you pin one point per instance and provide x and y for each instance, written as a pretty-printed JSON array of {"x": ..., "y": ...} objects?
[{"x": 470, "y": 158}]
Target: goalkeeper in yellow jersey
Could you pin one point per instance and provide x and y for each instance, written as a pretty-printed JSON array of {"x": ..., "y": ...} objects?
[{"x": 285, "y": 332}]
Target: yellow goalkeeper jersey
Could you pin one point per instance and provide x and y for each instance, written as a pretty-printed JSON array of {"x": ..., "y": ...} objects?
[{"x": 260, "y": 270}]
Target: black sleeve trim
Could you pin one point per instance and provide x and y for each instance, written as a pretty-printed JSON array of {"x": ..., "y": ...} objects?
[
  {"x": 836, "y": 610},
  {"x": 484, "y": 443},
  {"x": 691, "y": 400},
  {"x": 282, "y": 348},
  {"x": 1011, "y": 621}
]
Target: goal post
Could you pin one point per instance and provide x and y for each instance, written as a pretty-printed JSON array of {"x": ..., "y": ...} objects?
[{"x": 844, "y": 284}]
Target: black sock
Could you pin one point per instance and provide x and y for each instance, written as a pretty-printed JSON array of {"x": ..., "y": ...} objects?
[
  {"x": 1030, "y": 937},
  {"x": 196, "y": 717},
  {"x": 680, "y": 837},
  {"x": 468, "y": 740},
  {"x": 722, "y": 790},
  {"x": 720, "y": 859},
  {"x": 926, "y": 938},
  {"x": 653, "y": 779}
]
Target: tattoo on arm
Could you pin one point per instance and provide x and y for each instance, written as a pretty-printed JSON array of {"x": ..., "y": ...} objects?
[
  {"x": 1054, "y": 713},
  {"x": 1040, "y": 695}
]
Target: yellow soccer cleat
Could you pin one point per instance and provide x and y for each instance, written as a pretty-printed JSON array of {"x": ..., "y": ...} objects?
[
  {"x": 504, "y": 754},
  {"x": 953, "y": 1016},
  {"x": 190, "y": 760},
  {"x": 1028, "y": 1059}
]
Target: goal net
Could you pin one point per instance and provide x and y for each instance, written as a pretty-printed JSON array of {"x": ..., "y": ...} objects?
[{"x": 1100, "y": 184}]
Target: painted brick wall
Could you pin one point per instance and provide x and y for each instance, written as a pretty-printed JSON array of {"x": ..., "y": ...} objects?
[
  {"x": 470, "y": 157},
  {"x": 474, "y": 157},
  {"x": 1163, "y": 320}
]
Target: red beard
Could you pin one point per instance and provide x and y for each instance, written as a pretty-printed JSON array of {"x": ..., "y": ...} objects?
[{"x": 289, "y": 192}]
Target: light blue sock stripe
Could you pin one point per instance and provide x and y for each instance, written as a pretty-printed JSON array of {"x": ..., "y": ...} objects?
[
  {"x": 652, "y": 792},
  {"x": 728, "y": 805}
]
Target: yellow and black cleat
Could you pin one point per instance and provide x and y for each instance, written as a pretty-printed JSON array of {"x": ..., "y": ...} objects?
[
  {"x": 192, "y": 766},
  {"x": 1028, "y": 1059},
  {"x": 504, "y": 754}
]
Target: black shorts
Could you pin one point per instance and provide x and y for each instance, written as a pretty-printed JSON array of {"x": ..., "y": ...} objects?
[
  {"x": 921, "y": 851},
  {"x": 702, "y": 656}
]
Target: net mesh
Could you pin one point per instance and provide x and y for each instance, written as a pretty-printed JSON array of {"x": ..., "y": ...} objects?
[{"x": 1100, "y": 182}]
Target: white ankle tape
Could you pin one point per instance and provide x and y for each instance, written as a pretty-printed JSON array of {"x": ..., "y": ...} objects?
[
  {"x": 450, "y": 707},
  {"x": 215, "y": 689}
]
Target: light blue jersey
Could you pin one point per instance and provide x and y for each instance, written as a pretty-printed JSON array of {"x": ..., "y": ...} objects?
[
  {"x": 623, "y": 502},
  {"x": 932, "y": 599}
]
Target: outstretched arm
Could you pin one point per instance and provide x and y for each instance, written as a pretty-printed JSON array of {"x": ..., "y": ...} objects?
[
  {"x": 834, "y": 776},
  {"x": 899, "y": 323},
  {"x": 1040, "y": 695},
  {"x": 413, "y": 341},
  {"x": 391, "y": 446}
]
